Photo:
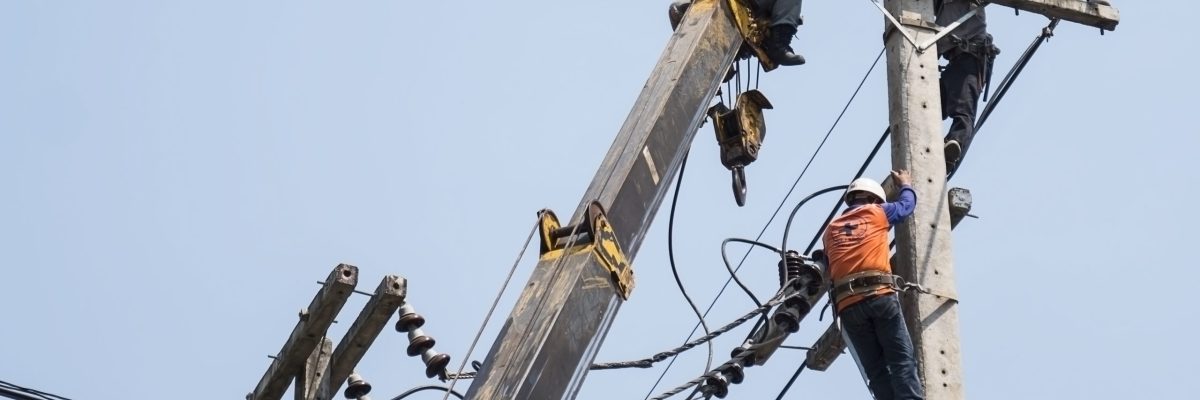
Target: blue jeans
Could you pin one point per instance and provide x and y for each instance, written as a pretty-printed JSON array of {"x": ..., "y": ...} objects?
[{"x": 879, "y": 337}]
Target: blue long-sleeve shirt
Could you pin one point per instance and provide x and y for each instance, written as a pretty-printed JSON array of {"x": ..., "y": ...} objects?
[{"x": 901, "y": 208}]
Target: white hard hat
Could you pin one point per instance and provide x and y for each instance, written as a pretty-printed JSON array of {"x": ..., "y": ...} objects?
[{"x": 866, "y": 185}]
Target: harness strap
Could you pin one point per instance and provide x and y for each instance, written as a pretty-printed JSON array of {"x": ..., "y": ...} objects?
[{"x": 861, "y": 283}]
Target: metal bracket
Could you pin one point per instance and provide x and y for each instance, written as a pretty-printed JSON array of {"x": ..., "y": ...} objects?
[
  {"x": 594, "y": 234},
  {"x": 949, "y": 28},
  {"x": 608, "y": 251},
  {"x": 899, "y": 24}
]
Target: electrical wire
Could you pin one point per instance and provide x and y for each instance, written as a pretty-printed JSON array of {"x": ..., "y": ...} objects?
[
  {"x": 791, "y": 217},
  {"x": 733, "y": 275},
  {"x": 838, "y": 205},
  {"x": 9, "y": 389},
  {"x": 671, "y": 257},
  {"x": 1009, "y": 78},
  {"x": 780, "y": 297},
  {"x": 488, "y": 317},
  {"x": 777, "y": 209},
  {"x": 418, "y": 389},
  {"x": 1001, "y": 90},
  {"x": 803, "y": 365}
]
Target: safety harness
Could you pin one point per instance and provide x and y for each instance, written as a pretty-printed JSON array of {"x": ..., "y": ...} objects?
[
  {"x": 866, "y": 283},
  {"x": 862, "y": 283},
  {"x": 981, "y": 47}
]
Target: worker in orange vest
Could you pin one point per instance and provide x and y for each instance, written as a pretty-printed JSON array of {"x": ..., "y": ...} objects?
[{"x": 864, "y": 289}]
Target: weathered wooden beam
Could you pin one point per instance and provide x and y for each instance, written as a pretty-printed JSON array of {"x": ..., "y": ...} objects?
[
  {"x": 371, "y": 321},
  {"x": 308, "y": 333},
  {"x": 556, "y": 328},
  {"x": 1077, "y": 11},
  {"x": 315, "y": 373}
]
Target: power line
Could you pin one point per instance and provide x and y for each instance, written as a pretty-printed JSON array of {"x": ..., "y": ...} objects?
[
  {"x": 1004, "y": 85},
  {"x": 733, "y": 274},
  {"x": 13, "y": 391},
  {"x": 671, "y": 257},
  {"x": 418, "y": 389},
  {"x": 488, "y": 317},
  {"x": 777, "y": 209}
]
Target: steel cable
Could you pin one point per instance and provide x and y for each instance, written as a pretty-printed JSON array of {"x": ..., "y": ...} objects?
[{"x": 488, "y": 317}]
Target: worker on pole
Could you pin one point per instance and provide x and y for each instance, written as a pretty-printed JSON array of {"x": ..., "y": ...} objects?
[
  {"x": 969, "y": 53},
  {"x": 784, "y": 16},
  {"x": 864, "y": 290}
]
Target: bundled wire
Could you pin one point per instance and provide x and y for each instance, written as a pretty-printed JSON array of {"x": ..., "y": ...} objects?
[{"x": 13, "y": 391}]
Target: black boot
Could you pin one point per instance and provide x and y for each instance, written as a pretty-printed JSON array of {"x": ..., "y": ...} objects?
[
  {"x": 676, "y": 12},
  {"x": 953, "y": 155},
  {"x": 778, "y": 46}
]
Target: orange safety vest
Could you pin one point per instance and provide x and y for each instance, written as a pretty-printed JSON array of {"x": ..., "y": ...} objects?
[{"x": 856, "y": 242}]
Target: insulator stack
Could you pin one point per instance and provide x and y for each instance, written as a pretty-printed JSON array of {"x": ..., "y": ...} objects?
[{"x": 421, "y": 344}]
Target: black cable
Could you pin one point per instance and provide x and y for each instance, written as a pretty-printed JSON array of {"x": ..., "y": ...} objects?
[
  {"x": 410, "y": 392},
  {"x": 838, "y": 206},
  {"x": 777, "y": 210},
  {"x": 17, "y": 390},
  {"x": 1008, "y": 80},
  {"x": 1001, "y": 90},
  {"x": 671, "y": 257},
  {"x": 783, "y": 250},
  {"x": 778, "y": 299},
  {"x": 803, "y": 365},
  {"x": 732, "y": 274},
  {"x": 787, "y": 228},
  {"x": 1005, "y": 84}
]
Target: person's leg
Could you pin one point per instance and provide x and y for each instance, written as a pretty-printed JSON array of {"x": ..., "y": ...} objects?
[
  {"x": 897, "y": 347},
  {"x": 786, "y": 12},
  {"x": 676, "y": 11},
  {"x": 862, "y": 340},
  {"x": 784, "y": 16},
  {"x": 961, "y": 87}
]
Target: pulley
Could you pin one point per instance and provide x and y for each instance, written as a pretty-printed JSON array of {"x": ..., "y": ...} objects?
[{"x": 740, "y": 132}]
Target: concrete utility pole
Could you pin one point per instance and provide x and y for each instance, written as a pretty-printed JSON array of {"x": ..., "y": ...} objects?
[
  {"x": 923, "y": 242},
  {"x": 923, "y": 251}
]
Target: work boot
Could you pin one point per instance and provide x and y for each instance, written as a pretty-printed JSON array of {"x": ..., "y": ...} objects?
[
  {"x": 676, "y": 12},
  {"x": 778, "y": 46},
  {"x": 953, "y": 153}
]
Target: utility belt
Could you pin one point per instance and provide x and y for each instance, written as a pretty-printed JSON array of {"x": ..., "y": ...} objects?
[
  {"x": 981, "y": 46},
  {"x": 862, "y": 283}
]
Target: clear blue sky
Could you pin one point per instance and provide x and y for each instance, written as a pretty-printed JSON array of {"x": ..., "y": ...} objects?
[{"x": 178, "y": 174}]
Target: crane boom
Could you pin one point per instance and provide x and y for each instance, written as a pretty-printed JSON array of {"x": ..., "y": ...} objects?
[{"x": 560, "y": 320}]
